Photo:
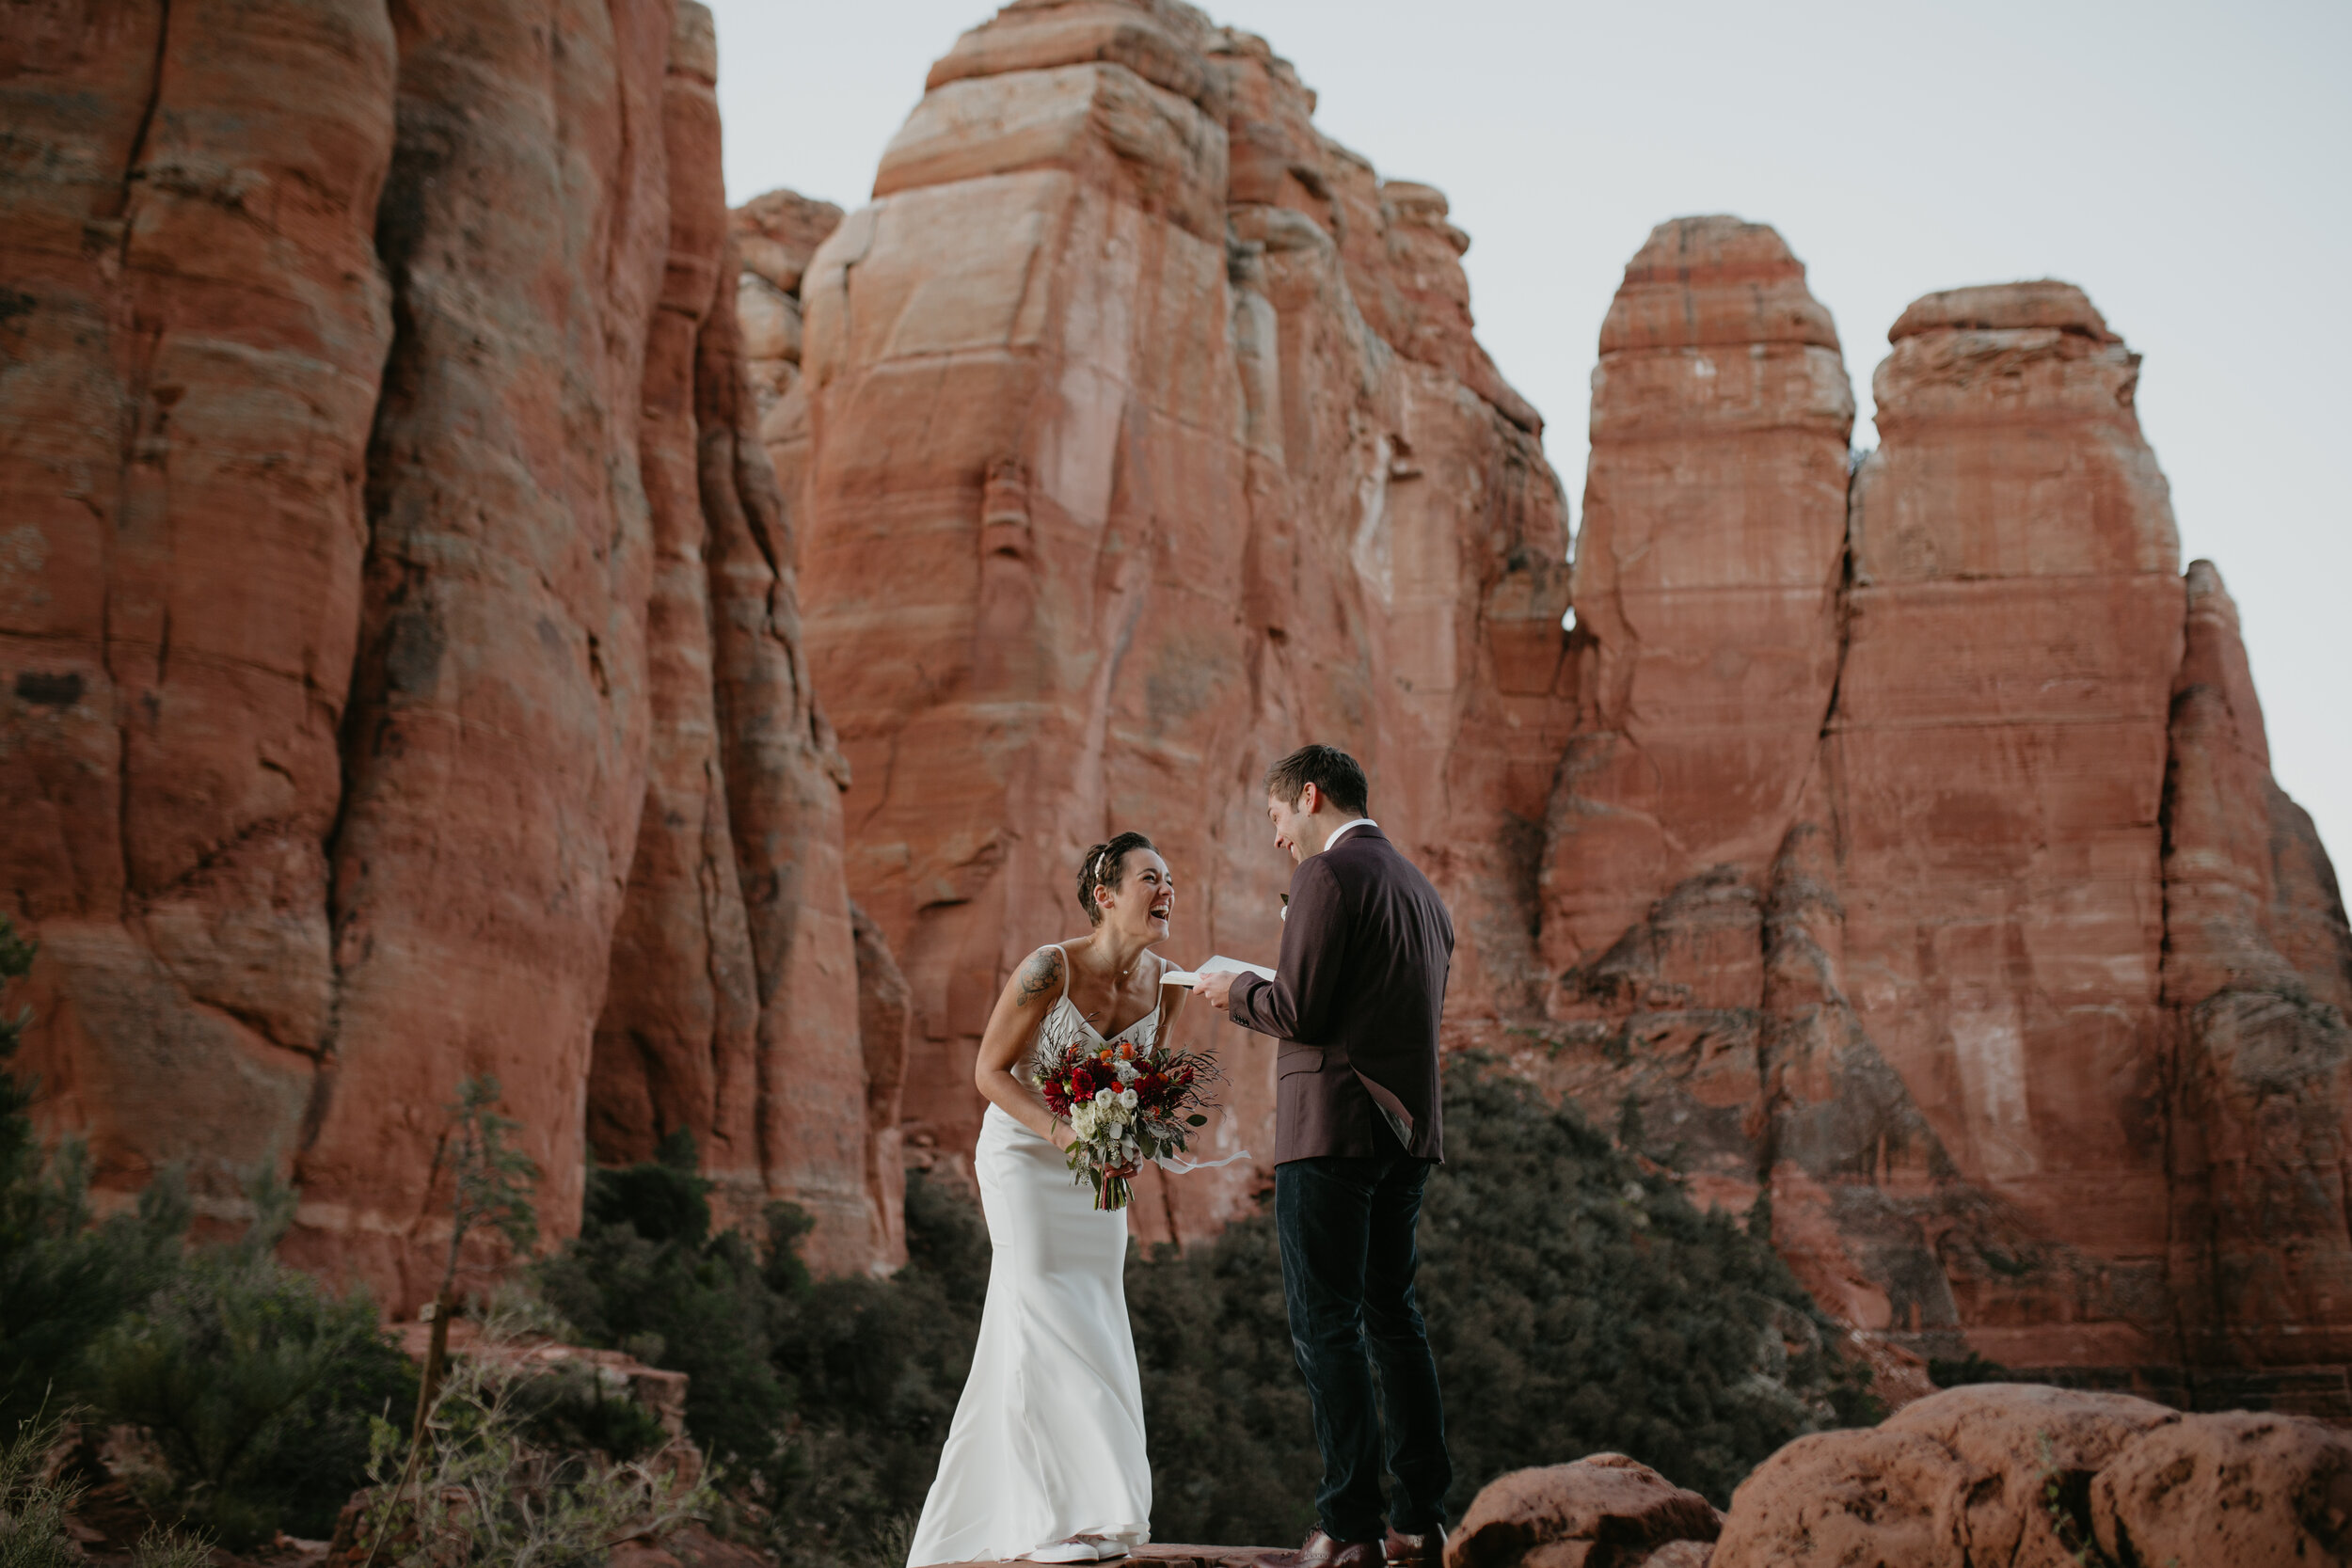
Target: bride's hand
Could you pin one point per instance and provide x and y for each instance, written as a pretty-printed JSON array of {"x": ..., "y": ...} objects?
[{"x": 1061, "y": 1137}]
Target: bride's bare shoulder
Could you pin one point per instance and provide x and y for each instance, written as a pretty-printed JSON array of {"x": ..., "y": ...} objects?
[{"x": 1040, "y": 974}]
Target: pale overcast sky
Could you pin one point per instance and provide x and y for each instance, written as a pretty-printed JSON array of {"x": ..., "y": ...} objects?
[{"x": 2186, "y": 164}]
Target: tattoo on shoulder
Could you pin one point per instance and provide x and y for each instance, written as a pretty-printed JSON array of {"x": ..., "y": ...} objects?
[{"x": 1039, "y": 974}]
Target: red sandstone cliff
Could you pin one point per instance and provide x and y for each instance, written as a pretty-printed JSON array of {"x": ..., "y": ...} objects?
[
  {"x": 1915, "y": 858},
  {"x": 1148, "y": 438},
  {"x": 399, "y": 626},
  {"x": 410, "y": 487}
]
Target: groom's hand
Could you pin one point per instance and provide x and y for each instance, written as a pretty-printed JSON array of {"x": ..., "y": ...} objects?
[{"x": 1216, "y": 988}]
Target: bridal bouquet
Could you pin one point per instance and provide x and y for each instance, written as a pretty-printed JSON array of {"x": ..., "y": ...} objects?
[{"x": 1126, "y": 1105}]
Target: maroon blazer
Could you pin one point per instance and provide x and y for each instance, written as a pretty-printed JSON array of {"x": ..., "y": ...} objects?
[{"x": 1355, "y": 1001}]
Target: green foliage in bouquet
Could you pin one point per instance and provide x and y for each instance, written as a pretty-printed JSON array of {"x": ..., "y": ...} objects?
[
  {"x": 64, "y": 1276},
  {"x": 255, "y": 1382}
]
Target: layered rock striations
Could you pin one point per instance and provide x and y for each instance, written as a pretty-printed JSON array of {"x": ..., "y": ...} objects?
[
  {"x": 1147, "y": 439},
  {"x": 410, "y": 487},
  {"x": 389, "y": 539},
  {"x": 1915, "y": 860}
]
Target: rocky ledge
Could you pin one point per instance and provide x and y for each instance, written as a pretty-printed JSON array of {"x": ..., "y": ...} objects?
[{"x": 2019, "y": 1475}]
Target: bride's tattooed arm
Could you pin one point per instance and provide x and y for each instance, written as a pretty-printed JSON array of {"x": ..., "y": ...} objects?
[
  {"x": 1042, "y": 973},
  {"x": 998, "y": 1071}
]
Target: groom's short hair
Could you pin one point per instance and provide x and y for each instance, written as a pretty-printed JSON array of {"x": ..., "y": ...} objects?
[{"x": 1326, "y": 768}]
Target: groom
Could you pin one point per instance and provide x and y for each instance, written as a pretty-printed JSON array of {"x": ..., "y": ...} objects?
[{"x": 1355, "y": 1001}]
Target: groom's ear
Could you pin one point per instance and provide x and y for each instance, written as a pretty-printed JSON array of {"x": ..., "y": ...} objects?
[{"x": 1309, "y": 796}]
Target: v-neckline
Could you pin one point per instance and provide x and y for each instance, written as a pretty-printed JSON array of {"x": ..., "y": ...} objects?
[
  {"x": 1084, "y": 1022},
  {"x": 1070, "y": 967}
]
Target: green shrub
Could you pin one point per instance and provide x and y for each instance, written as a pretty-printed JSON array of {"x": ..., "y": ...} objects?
[
  {"x": 874, "y": 1368},
  {"x": 483, "y": 1490},
  {"x": 63, "y": 1278},
  {"x": 1225, "y": 1411},
  {"x": 647, "y": 1276},
  {"x": 1577, "y": 1301},
  {"x": 34, "y": 1505},
  {"x": 572, "y": 1409},
  {"x": 255, "y": 1382}
]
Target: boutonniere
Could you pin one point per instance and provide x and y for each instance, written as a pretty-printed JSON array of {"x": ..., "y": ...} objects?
[{"x": 1286, "y": 905}]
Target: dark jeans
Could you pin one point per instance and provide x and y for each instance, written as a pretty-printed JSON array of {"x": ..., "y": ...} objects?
[{"x": 1348, "y": 1256}]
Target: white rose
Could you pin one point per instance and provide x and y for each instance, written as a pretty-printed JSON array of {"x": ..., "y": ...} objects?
[
  {"x": 1127, "y": 1099},
  {"x": 1105, "y": 1094}
]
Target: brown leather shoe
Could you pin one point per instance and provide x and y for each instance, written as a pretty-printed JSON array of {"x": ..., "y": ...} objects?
[
  {"x": 1320, "y": 1551},
  {"x": 1426, "y": 1550}
]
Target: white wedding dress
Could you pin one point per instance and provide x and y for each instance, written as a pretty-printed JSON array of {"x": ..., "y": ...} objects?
[{"x": 1048, "y": 1442}]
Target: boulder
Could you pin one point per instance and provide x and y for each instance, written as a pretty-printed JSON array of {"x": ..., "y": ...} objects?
[
  {"x": 2036, "y": 1476},
  {"x": 1838, "y": 1498},
  {"x": 2246, "y": 1489},
  {"x": 1605, "y": 1510},
  {"x": 2030, "y": 1451}
]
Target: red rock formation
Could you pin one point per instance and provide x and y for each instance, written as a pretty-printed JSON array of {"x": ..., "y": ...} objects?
[
  {"x": 775, "y": 234},
  {"x": 728, "y": 1015},
  {"x": 2031, "y": 1477},
  {"x": 1604, "y": 1510},
  {"x": 1157, "y": 502},
  {"x": 1863, "y": 874},
  {"x": 1709, "y": 567},
  {"x": 195, "y": 320},
  {"x": 2257, "y": 984},
  {"x": 356, "y": 611},
  {"x": 1998, "y": 757}
]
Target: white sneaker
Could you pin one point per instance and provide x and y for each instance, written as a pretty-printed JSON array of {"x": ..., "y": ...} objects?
[{"x": 1066, "y": 1551}]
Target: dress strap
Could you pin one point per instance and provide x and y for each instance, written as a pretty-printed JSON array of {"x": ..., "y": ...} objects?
[{"x": 1065, "y": 970}]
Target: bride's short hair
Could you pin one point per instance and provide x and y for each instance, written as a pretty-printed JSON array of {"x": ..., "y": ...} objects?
[{"x": 1106, "y": 865}]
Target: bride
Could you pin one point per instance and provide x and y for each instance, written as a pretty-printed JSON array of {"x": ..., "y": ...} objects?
[{"x": 1045, "y": 1460}]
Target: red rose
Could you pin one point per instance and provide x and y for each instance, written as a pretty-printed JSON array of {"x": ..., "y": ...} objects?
[{"x": 1082, "y": 1084}]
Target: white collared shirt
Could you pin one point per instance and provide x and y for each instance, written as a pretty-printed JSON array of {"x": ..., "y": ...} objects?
[{"x": 1350, "y": 823}]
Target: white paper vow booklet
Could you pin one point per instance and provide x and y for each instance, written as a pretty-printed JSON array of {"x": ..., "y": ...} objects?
[{"x": 1217, "y": 965}]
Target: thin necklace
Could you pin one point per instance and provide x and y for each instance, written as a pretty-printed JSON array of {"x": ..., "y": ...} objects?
[{"x": 1120, "y": 980}]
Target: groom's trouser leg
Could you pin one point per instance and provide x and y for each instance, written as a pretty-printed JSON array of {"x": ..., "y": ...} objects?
[
  {"x": 1400, "y": 1348},
  {"x": 1322, "y": 1218}
]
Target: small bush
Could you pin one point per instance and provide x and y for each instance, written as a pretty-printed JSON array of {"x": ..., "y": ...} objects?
[
  {"x": 62, "y": 1277},
  {"x": 874, "y": 1368},
  {"x": 571, "y": 1409},
  {"x": 34, "y": 1506},
  {"x": 255, "y": 1382},
  {"x": 647, "y": 1276},
  {"x": 484, "y": 1493}
]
